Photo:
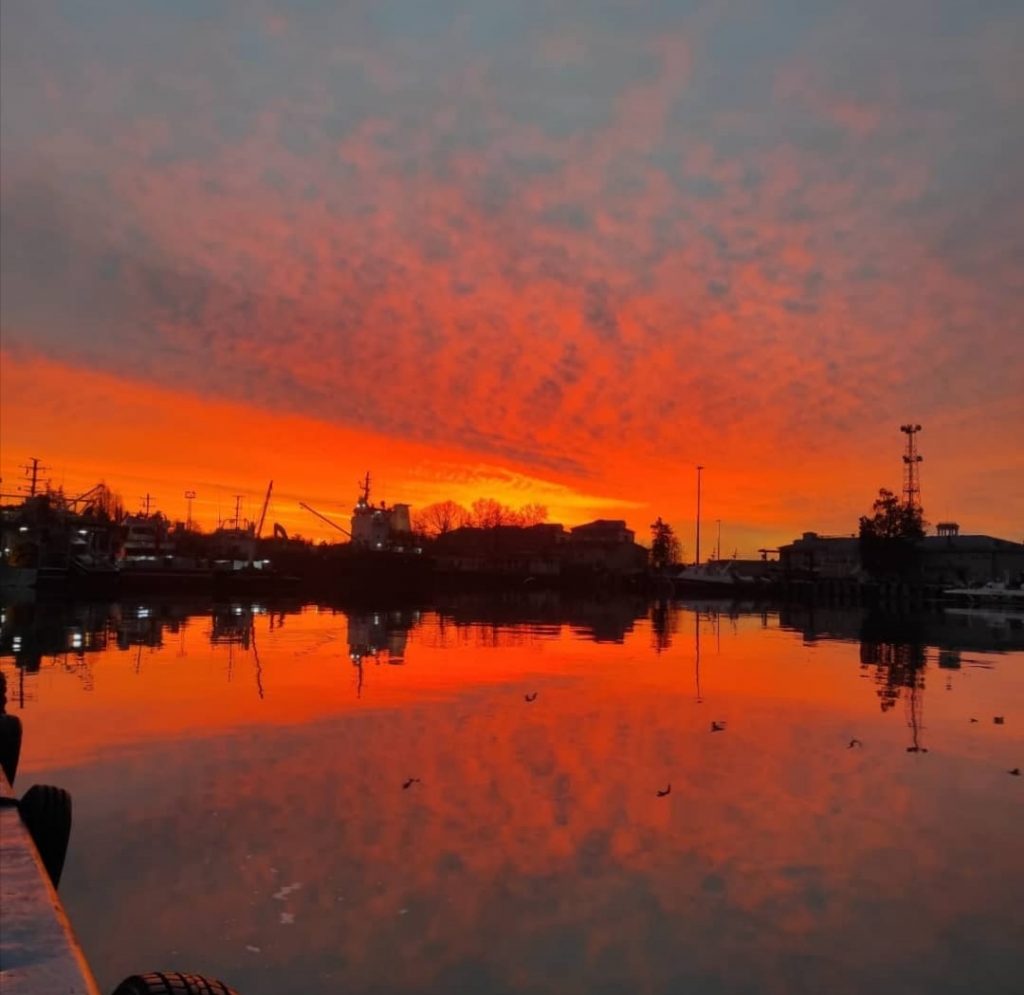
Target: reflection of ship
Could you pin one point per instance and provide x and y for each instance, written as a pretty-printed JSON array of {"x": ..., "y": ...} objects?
[
  {"x": 371, "y": 634},
  {"x": 30, "y": 631},
  {"x": 232, "y": 625},
  {"x": 992, "y": 593},
  {"x": 995, "y": 616}
]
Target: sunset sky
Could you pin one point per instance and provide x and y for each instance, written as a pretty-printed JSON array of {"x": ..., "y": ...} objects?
[{"x": 542, "y": 252}]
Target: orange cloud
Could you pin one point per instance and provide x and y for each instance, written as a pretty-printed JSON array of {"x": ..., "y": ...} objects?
[{"x": 584, "y": 265}]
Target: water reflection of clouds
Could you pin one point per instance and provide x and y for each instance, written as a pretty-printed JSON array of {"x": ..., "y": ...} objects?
[{"x": 535, "y": 856}]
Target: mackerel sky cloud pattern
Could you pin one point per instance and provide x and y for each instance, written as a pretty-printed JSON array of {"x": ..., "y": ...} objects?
[{"x": 587, "y": 244}]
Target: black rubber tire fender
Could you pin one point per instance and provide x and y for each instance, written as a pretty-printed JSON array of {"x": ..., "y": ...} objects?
[
  {"x": 10, "y": 745},
  {"x": 46, "y": 812},
  {"x": 172, "y": 983}
]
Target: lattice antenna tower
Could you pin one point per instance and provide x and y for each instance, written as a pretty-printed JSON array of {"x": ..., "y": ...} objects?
[{"x": 911, "y": 473}]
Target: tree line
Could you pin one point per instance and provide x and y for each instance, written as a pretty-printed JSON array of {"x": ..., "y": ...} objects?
[{"x": 484, "y": 513}]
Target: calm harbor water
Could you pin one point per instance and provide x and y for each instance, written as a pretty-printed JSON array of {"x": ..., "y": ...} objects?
[{"x": 239, "y": 773}]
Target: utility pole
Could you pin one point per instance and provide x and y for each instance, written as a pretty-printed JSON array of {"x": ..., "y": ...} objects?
[
  {"x": 32, "y": 470},
  {"x": 189, "y": 495},
  {"x": 238, "y": 511},
  {"x": 148, "y": 498},
  {"x": 699, "y": 469},
  {"x": 718, "y": 545}
]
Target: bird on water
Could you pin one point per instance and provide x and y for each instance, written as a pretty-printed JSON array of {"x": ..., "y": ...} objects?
[
  {"x": 408, "y": 784},
  {"x": 854, "y": 742},
  {"x": 530, "y": 697},
  {"x": 668, "y": 790},
  {"x": 717, "y": 726}
]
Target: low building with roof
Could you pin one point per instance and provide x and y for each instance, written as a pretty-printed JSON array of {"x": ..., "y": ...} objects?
[
  {"x": 968, "y": 560},
  {"x": 829, "y": 557},
  {"x": 948, "y": 559}
]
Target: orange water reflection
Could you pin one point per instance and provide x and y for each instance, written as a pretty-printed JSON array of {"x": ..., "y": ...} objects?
[{"x": 268, "y": 839}]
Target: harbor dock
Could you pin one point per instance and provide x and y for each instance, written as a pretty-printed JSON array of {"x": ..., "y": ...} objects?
[{"x": 38, "y": 949}]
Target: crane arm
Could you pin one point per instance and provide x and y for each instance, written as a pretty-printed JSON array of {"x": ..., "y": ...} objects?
[
  {"x": 82, "y": 497},
  {"x": 324, "y": 518},
  {"x": 263, "y": 513}
]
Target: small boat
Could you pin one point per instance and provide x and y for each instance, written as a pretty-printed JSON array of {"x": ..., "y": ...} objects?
[{"x": 723, "y": 578}]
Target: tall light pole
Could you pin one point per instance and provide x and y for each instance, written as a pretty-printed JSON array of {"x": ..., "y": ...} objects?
[
  {"x": 189, "y": 495},
  {"x": 699, "y": 468}
]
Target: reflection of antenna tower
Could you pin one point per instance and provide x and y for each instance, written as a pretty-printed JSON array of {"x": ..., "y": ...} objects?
[
  {"x": 911, "y": 475},
  {"x": 914, "y": 703}
]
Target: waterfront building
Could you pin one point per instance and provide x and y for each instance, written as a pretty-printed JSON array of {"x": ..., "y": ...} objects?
[
  {"x": 948, "y": 559},
  {"x": 969, "y": 560},
  {"x": 830, "y": 557},
  {"x": 604, "y": 544}
]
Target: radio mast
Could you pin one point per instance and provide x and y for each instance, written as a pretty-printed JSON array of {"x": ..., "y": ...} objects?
[{"x": 911, "y": 473}]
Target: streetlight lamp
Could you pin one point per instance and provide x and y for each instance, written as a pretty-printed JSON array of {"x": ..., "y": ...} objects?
[
  {"x": 699, "y": 468},
  {"x": 189, "y": 495}
]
